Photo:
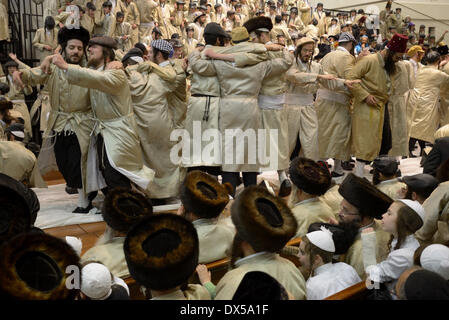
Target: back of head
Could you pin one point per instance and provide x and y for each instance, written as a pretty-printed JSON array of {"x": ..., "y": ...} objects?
[
  {"x": 426, "y": 285},
  {"x": 433, "y": 57}
]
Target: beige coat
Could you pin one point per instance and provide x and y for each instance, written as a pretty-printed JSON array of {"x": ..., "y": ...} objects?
[
  {"x": 4, "y": 28},
  {"x": 20, "y": 163},
  {"x": 367, "y": 121},
  {"x": 70, "y": 110},
  {"x": 444, "y": 100},
  {"x": 303, "y": 83},
  {"x": 193, "y": 292},
  {"x": 150, "y": 92},
  {"x": 397, "y": 108},
  {"x": 121, "y": 30},
  {"x": 310, "y": 211},
  {"x": 111, "y": 255},
  {"x": 146, "y": 11},
  {"x": 425, "y": 99},
  {"x": 354, "y": 255},
  {"x": 88, "y": 23},
  {"x": 215, "y": 239},
  {"x": 333, "y": 199},
  {"x": 108, "y": 25},
  {"x": 304, "y": 9},
  {"x": 189, "y": 46},
  {"x": 42, "y": 39},
  {"x": 114, "y": 120},
  {"x": 321, "y": 18},
  {"x": 296, "y": 24},
  {"x": 391, "y": 188},
  {"x": 162, "y": 16},
  {"x": 132, "y": 16},
  {"x": 283, "y": 270},
  {"x": 436, "y": 220},
  {"x": 333, "y": 109}
]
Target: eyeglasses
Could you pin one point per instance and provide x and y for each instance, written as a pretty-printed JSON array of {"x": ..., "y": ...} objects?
[{"x": 343, "y": 212}]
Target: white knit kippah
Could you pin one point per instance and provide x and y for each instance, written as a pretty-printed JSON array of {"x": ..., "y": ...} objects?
[
  {"x": 96, "y": 281},
  {"x": 436, "y": 258},
  {"x": 416, "y": 206},
  {"x": 75, "y": 243},
  {"x": 322, "y": 239}
]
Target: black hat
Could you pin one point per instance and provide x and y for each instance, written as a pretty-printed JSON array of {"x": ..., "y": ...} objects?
[
  {"x": 204, "y": 195},
  {"x": 65, "y": 34},
  {"x": 162, "y": 251},
  {"x": 107, "y": 4},
  {"x": 364, "y": 196},
  {"x": 192, "y": 5},
  {"x": 104, "y": 41},
  {"x": 217, "y": 5},
  {"x": 421, "y": 183},
  {"x": 386, "y": 165},
  {"x": 19, "y": 207},
  {"x": 309, "y": 176},
  {"x": 294, "y": 9},
  {"x": 262, "y": 219},
  {"x": 258, "y": 285},
  {"x": 133, "y": 52},
  {"x": 180, "y": 2},
  {"x": 443, "y": 50},
  {"x": 36, "y": 266},
  {"x": 5, "y": 104},
  {"x": 426, "y": 285},
  {"x": 156, "y": 30},
  {"x": 214, "y": 28},
  {"x": 10, "y": 63},
  {"x": 16, "y": 129},
  {"x": 260, "y": 23},
  {"x": 123, "y": 208}
]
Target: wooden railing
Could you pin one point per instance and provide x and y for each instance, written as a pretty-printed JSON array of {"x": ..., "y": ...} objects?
[{"x": 355, "y": 292}]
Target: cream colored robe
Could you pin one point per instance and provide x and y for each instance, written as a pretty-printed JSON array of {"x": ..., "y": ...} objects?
[
  {"x": 70, "y": 110},
  {"x": 41, "y": 39},
  {"x": 391, "y": 188},
  {"x": 4, "y": 28},
  {"x": 304, "y": 10},
  {"x": 155, "y": 122},
  {"x": 412, "y": 79},
  {"x": 111, "y": 254},
  {"x": 367, "y": 121},
  {"x": 114, "y": 120},
  {"x": 162, "y": 16},
  {"x": 397, "y": 108},
  {"x": 310, "y": 211},
  {"x": 354, "y": 255},
  {"x": 17, "y": 97},
  {"x": 425, "y": 97},
  {"x": 215, "y": 239},
  {"x": 123, "y": 29},
  {"x": 88, "y": 23},
  {"x": 132, "y": 16},
  {"x": 296, "y": 24},
  {"x": 20, "y": 163},
  {"x": 321, "y": 18},
  {"x": 303, "y": 83},
  {"x": 283, "y": 270},
  {"x": 436, "y": 219},
  {"x": 333, "y": 109},
  {"x": 444, "y": 101},
  {"x": 189, "y": 46},
  {"x": 333, "y": 199},
  {"x": 146, "y": 10},
  {"x": 193, "y": 292}
]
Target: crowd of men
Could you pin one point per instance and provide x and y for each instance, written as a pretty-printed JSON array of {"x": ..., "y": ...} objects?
[{"x": 145, "y": 114}]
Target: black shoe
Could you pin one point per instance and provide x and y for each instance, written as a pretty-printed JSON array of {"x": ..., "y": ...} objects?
[
  {"x": 83, "y": 210},
  {"x": 336, "y": 174},
  {"x": 71, "y": 190},
  {"x": 347, "y": 165},
  {"x": 285, "y": 189},
  {"x": 91, "y": 196}
]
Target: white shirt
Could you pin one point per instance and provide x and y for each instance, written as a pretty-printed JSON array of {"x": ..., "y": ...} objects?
[
  {"x": 399, "y": 260},
  {"x": 329, "y": 279}
]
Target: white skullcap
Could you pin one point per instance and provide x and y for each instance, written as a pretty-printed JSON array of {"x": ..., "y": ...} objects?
[
  {"x": 436, "y": 258},
  {"x": 18, "y": 134},
  {"x": 416, "y": 206},
  {"x": 76, "y": 244},
  {"x": 322, "y": 239},
  {"x": 96, "y": 281},
  {"x": 137, "y": 59}
]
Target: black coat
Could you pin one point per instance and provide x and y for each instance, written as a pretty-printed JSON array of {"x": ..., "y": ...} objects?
[{"x": 438, "y": 154}]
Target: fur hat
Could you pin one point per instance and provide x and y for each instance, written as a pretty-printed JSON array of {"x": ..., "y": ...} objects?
[
  {"x": 364, "y": 196},
  {"x": 19, "y": 207},
  {"x": 262, "y": 219},
  {"x": 309, "y": 176},
  {"x": 204, "y": 195},
  {"x": 65, "y": 34},
  {"x": 260, "y": 23},
  {"x": 123, "y": 208},
  {"x": 104, "y": 41},
  {"x": 34, "y": 267},
  {"x": 258, "y": 285},
  {"x": 162, "y": 251}
]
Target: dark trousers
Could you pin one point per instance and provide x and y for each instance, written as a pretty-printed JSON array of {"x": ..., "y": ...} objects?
[
  {"x": 412, "y": 142},
  {"x": 215, "y": 171},
  {"x": 112, "y": 177},
  {"x": 249, "y": 178},
  {"x": 296, "y": 150},
  {"x": 68, "y": 158}
]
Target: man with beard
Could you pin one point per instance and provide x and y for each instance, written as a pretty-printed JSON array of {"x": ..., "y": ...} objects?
[
  {"x": 369, "y": 135},
  {"x": 119, "y": 155},
  {"x": 69, "y": 123},
  {"x": 304, "y": 79},
  {"x": 46, "y": 39},
  {"x": 385, "y": 174},
  {"x": 333, "y": 107},
  {"x": 362, "y": 203}
]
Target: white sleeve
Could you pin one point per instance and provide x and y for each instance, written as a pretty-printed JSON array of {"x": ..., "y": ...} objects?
[{"x": 392, "y": 267}]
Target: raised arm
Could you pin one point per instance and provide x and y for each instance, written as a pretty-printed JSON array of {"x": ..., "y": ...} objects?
[
  {"x": 166, "y": 73},
  {"x": 110, "y": 81}
]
